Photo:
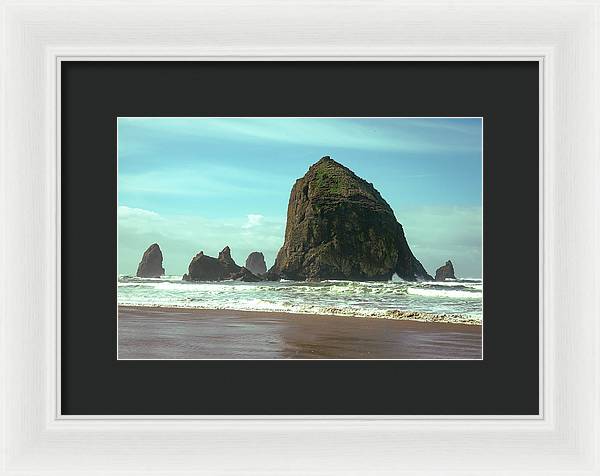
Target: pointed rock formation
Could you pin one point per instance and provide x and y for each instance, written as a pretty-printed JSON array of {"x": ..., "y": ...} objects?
[
  {"x": 339, "y": 227},
  {"x": 256, "y": 263},
  {"x": 446, "y": 271},
  {"x": 227, "y": 262},
  {"x": 207, "y": 268},
  {"x": 151, "y": 264}
]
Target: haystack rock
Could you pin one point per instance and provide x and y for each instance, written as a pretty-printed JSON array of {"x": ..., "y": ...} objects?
[
  {"x": 339, "y": 227},
  {"x": 151, "y": 264},
  {"x": 446, "y": 271},
  {"x": 256, "y": 263},
  {"x": 207, "y": 268}
]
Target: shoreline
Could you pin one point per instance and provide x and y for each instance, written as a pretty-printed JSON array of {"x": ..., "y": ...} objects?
[
  {"x": 186, "y": 333},
  {"x": 395, "y": 315}
]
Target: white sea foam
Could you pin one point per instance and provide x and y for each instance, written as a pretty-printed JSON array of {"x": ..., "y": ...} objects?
[
  {"x": 427, "y": 301},
  {"x": 453, "y": 284},
  {"x": 451, "y": 293}
]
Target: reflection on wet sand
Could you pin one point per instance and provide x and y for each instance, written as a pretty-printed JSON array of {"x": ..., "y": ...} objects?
[{"x": 160, "y": 333}]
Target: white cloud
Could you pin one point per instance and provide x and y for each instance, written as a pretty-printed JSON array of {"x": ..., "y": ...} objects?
[
  {"x": 253, "y": 220},
  {"x": 129, "y": 212}
]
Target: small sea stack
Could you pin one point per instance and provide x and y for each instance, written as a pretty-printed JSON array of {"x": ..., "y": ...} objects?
[
  {"x": 207, "y": 268},
  {"x": 151, "y": 264},
  {"x": 445, "y": 272},
  {"x": 204, "y": 268},
  {"x": 255, "y": 263}
]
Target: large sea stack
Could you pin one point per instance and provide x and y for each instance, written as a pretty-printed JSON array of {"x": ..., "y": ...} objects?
[
  {"x": 256, "y": 263},
  {"x": 446, "y": 271},
  {"x": 207, "y": 268},
  {"x": 339, "y": 227},
  {"x": 151, "y": 264}
]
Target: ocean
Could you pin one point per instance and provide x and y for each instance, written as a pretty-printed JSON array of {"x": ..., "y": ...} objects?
[{"x": 459, "y": 301}]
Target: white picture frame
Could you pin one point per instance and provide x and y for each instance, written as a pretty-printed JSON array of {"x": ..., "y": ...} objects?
[{"x": 563, "y": 36}]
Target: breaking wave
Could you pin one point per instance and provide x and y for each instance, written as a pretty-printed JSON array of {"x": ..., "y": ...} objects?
[{"x": 457, "y": 301}]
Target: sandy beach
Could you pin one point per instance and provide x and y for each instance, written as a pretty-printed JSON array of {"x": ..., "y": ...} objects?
[{"x": 175, "y": 333}]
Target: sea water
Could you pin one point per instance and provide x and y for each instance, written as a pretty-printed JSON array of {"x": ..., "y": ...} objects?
[{"x": 458, "y": 301}]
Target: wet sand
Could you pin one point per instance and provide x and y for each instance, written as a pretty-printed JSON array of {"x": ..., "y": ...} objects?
[{"x": 163, "y": 333}]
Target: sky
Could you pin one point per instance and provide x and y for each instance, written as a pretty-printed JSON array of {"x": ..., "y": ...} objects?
[{"x": 199, "y": 184}]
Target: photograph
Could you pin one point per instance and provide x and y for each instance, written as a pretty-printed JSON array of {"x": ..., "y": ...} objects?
[{"x": 327, "y": 238}]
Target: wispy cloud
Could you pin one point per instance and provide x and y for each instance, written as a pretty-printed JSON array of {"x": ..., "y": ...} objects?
[
  {"x": 210, "y": 181},
  {"x": 132, "y": 212},
  {"x": 347, "y": 133}
]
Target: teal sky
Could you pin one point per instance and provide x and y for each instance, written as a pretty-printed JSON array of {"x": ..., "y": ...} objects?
[{"x": 193, "y": 184}]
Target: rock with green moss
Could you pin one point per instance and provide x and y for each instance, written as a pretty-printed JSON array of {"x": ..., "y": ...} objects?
[{"x": 339, "y": 227}]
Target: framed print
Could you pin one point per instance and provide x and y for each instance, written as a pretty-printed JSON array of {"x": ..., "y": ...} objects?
[
  {"x": 354, "y": 240},
  {"x": 348, "y": 296}
]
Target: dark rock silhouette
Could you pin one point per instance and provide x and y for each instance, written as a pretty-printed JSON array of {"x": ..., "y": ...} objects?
[
  {"x": 204, "y": 268},
  {"x": 446, "y": 271},
  {"x": 151, "y": 264},
  {"x": 339, "y": 227},
  {"x": 207, "y": 268},
  {"x": 245, "y": 275},
  {"x": 256, "y": 263},
  {"x": 227, "y": 262}
]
